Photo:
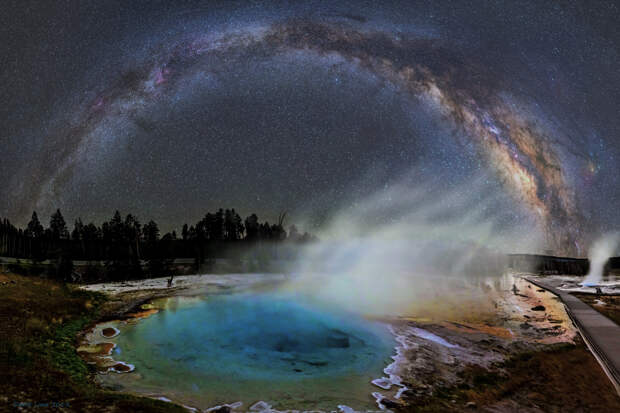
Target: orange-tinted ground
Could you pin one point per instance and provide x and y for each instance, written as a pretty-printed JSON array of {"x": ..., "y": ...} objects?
[{"x": 545, "y": 366}]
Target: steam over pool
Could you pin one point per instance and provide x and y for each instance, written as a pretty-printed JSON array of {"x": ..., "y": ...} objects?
[{"x": 254, "y": 346}]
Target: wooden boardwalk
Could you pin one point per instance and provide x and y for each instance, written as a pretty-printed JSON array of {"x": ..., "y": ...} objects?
[{"x": 600, "y": 333}]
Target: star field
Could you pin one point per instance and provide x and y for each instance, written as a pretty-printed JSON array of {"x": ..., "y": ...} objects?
[{"x": 172, "y": 109}]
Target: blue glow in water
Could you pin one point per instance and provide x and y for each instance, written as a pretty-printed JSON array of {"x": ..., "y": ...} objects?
[
  {"x": 257, "y": 346},
  {"x": 270, "y": 336}
]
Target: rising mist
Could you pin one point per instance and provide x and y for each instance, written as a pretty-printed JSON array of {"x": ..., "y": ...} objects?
[
  {"x": 600, "y": 252},
  {"x": 409, "y": 248}
]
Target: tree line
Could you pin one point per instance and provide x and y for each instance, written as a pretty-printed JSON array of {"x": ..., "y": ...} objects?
[{"x": 125, "y": 243}]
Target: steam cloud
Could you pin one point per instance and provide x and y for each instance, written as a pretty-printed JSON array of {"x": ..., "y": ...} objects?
[
  {"x": 600, "y": 252},
  {"x": 413, "y": 250}
]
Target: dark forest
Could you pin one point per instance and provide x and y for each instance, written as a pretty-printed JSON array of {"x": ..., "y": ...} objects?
[{"x": 125, "y": 248}]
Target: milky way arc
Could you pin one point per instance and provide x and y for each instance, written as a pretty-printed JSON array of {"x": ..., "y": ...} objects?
[{"x": 468, "y": 96}]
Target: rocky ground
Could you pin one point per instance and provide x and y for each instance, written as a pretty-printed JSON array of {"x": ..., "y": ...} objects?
[
  {"x": 521, "y": 353},
  {"x": 527, "y": 356}
]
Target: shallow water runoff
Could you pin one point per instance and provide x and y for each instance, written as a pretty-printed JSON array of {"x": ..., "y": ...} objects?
[{"x": 249, "y": 347}]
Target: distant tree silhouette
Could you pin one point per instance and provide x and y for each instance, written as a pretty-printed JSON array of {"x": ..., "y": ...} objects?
[
  {"x": 123, "y": 244},
  {"x": 116, "y": 228},
  {"x": 91, "y": 232},
  {"x": 78, "y": 229},
  {"x": 112, "y": 231},
  {"x": 121, "y": 241},
  {"x": 252, "y": 227},
  {"x": 156, "y": 264},
  {"x": 238, "y": 224},
  {"x": 209, "y": 227},
  {"x": 58, "y": 226},
  {"x": 78, "y": 235},
  {"x": 112, "y": 234},
  {"x": 233, "y": 226},
  {"x": 218, "y": 225},
  {"x": 202, "y": 229},
  {"x": 150, "y": 232},
  {"x": 277, "y": 231},
  {"x": 132, "y": 233},
  {"x": 34, "y": 229},
  {"x": 264, "y": 231}
]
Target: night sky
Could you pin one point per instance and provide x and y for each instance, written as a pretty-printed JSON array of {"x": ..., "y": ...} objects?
[{"x": 171, "y": 109}]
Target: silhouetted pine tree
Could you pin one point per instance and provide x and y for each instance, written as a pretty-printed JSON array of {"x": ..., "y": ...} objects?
[
  {"x": 121, "y": 243},
  {"x": 252, "y": 227},
  {"x": 151, "y": 232},
  {"x": 58, "y": 226},
  {"x": 34, "y": 229},
  {"x": 77, "y": 235},
  {"x": 238, "y": 223},
  {"x": 218, "y": 225},
  {"x": 132, "y": 234}
]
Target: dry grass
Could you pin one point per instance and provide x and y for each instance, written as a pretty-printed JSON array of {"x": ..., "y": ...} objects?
[
  {"x": 39, "y": 365},
  {"x": 565, "y": 378}
]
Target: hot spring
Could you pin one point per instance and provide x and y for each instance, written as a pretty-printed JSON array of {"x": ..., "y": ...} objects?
[{"x": 275, "y": 347}]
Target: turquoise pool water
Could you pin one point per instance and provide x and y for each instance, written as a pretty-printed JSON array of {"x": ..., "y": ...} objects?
[{"x": 253, "y": 346}]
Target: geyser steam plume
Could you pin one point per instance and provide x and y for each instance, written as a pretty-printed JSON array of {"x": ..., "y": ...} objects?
[
  {"x": 600, "y": 253},
  {"x": 407, "y": 250}
]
